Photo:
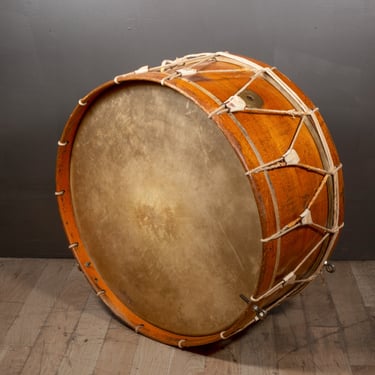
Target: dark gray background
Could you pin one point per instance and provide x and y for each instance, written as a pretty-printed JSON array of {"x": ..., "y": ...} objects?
[{"x": 53, "y": 52}]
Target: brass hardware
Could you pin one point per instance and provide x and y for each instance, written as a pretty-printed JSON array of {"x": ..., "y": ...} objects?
[{"x": 252, "y": 99}]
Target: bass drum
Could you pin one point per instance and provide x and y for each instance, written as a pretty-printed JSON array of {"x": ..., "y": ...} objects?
[{"x": 199, "y": 194}]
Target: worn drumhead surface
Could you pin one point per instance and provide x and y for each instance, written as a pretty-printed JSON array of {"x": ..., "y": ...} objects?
[{"x": 165, "y": 210}]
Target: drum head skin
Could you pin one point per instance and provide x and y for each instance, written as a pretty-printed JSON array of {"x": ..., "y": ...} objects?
[{"x": 164, "y": 209}]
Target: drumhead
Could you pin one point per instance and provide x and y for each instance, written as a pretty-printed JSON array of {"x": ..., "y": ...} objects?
[{"x": 164, "y": 209}]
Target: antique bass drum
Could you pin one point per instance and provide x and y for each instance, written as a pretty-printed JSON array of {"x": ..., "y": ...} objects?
[{"x": 199, "y": 194}]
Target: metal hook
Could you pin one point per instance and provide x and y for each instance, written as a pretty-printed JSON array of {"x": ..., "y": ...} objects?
[{"x": 329, "y": 267}]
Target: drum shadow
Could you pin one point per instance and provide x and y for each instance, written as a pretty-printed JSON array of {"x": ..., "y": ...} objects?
[
  {"x": 255, "y": 346},
  {"x": 258, "y": 346}
]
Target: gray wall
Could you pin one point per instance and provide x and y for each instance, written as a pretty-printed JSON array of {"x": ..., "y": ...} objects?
[{"x": 53, "y": 52}]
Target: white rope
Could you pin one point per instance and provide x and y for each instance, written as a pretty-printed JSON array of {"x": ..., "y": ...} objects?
[
  {"x": 178, "y": 73},
  {"x": 180, "y": 343},
  {"x": 195, "y": 59},
  {"x": 276, "y": 81},
  {"x": 277, "y": 163},
  {"x": 186, "y": 60},
  {"x": 304, "y": 219},
  {"x": 316, "y": 125},
  {"x": 263, "y": 111},
  {"x": 169, "y": 64},
  {"x": 221, "y": 71},
  {"x": 280, "y": 163},
  {"x": 283, "y": 231},
  {"x": 291, "y": 278},
  {"x": 117, "y": 81},
  {"x": 228, "y": 106},
  {"x": 138, "y": 327},
  {"x": 222, "y": 335},
  {"x": 257, "y": 73},
  {"x": 296, "y": 133},
  {"x": 241, "y": 60},
  {"x": 283, "y": 112},
  {"x": 192, "y": 57}
]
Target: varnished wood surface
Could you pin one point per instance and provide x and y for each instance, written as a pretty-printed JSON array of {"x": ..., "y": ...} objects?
[{"x": 51, "y": 322}]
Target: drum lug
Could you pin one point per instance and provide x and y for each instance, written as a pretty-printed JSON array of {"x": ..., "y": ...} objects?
[
  {"x": 260, "y": 313},
  {"x": 329, "y": 267}
]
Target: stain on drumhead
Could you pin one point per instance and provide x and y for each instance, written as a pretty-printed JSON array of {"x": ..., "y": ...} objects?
[{"x": 165, "y": 210}]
